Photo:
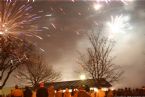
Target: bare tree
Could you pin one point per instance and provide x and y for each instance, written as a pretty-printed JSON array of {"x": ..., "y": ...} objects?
[
  {"x": 13, "y": 53},
  {"x": 97, "y": 62},
  {"x": 35, "y": 71}
]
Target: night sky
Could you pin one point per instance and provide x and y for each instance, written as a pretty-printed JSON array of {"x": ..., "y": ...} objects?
[{"x": 64, "y": 25}]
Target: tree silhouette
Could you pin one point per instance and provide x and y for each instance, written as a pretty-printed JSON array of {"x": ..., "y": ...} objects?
[
  {"x": 97, "y": 61},
  {"x": 13, "y": 53},
  {"x": 35, "y": 71}
]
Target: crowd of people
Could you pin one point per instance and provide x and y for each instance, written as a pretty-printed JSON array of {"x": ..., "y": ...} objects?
[
  {"x": 79, "y": 92},
  {"x": 130, "y": 92},
  {"x": 51, "y": 92}
]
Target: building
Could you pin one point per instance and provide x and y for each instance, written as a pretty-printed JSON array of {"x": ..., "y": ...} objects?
[{"x": 76, "y": 83}]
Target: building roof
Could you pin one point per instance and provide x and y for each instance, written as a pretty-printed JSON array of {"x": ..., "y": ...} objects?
[{"x": 76, "y": 83}]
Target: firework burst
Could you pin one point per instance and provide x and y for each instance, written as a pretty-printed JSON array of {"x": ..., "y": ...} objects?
[
  {"x": 17, "y": 18},
  {"x": 118, "y": 24}
]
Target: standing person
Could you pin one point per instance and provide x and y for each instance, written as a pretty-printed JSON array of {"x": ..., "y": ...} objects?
[
  {"x": 58, "y": 93},
  {"x": 11, "y": 94},
  {"x": 42, "y": 91},
  {"x": 110, "y": 93},
  {"x": 1, "y": 94},
  {"x": 76, "y": 93},
  {"x": 72, "y": 93},
  {"x": 100, "y": 93},
  {"x": 82, "y": 93},
  {"x": 67, "y": 93},
  {"x": 51, "y": 91},
  {"x": 27, "y": 92},
  {"x": 92, "y": 93},
  {"x": 34, "y": 93},
  {"x": 17, "y": 92}
]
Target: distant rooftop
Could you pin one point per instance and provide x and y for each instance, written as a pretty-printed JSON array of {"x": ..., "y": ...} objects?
[{"x": 76, "y": 83}]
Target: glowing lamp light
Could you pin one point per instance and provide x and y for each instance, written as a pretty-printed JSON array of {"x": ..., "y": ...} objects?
[
  {"x": 112, "y": 88},
  {"x": 96, "y": 90},
  {"x": 70, "y": 90},
  {"x": 104, "y": 89},
  {"x": 82, "y": 77}
]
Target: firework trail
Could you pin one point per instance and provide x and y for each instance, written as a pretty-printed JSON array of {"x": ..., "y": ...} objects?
[
  {"x": 30, "y": 0},
  {"x": 107, "y": 1}
]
